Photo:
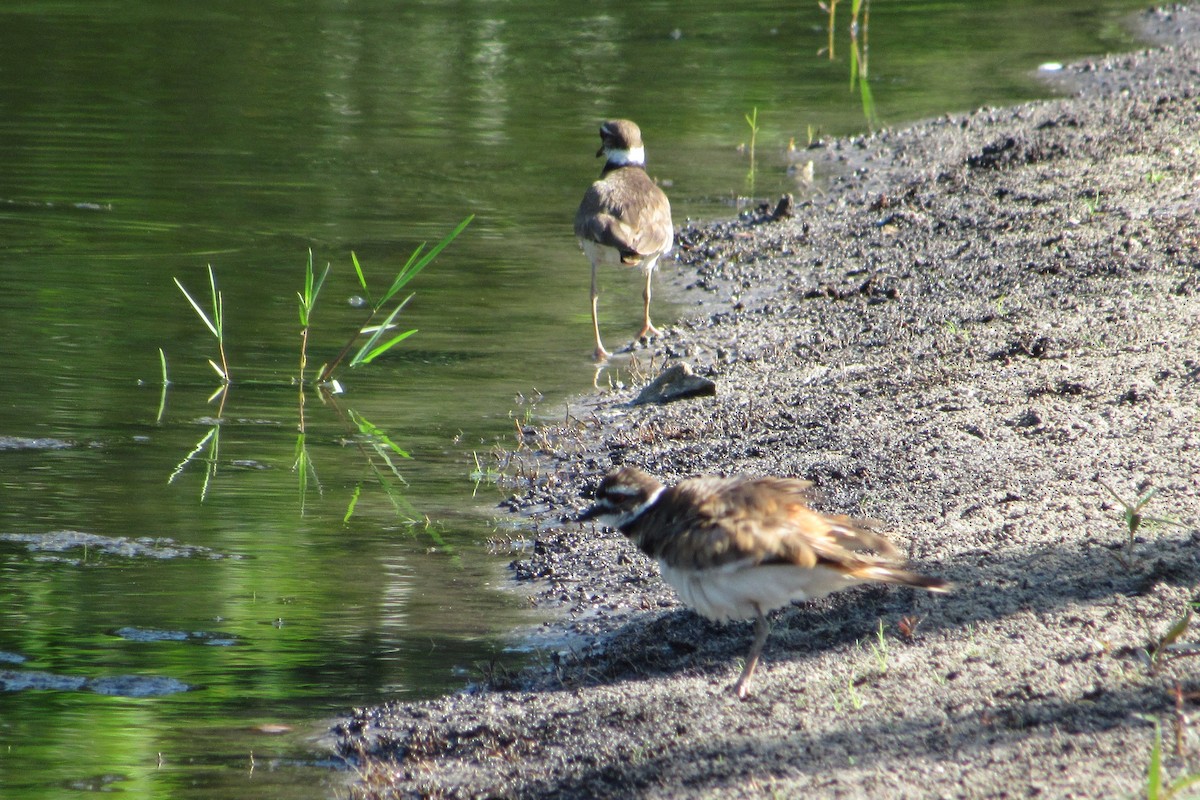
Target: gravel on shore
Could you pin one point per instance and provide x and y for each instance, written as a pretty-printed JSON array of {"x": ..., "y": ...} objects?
[{"x": 983, "y": 332}]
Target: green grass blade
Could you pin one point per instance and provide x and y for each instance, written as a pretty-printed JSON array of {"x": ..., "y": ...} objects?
[
  {"x": 1113, "y": 492},
  {"x": 1181, "y": 784},
  {"x": 406, "y": 273},
  {"x": 308, "y": 276},
  {"x": 868, "y": 103},
  {"x": 162, "y": 360},
  {"x": 383, "y": 348},
  {"x": 1178, "y": 629},
  {"x": 1154, "y": 770},
  {"x": 218, "y": 302},
  {"x": 853, "y": 67},
  {"x": 317, "y": 288},
  {"x": 204, "y": 317},
  {"x": 383, "y": 328},
  {"x": 312, "y": 288},
  {"x": 1146, "y": 498},
  {"x": 306, "y": 295},
  {"x": 411, "y": 269},
  {"x": 362, "y": 279}
]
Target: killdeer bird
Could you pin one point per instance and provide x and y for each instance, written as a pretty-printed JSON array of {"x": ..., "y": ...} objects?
[
  {"x": 739, "y": 548},
  {"x": 624, "y": 219}
]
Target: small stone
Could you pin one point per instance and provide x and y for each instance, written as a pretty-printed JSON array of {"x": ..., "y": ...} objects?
[{"x": 676, "y": 382}]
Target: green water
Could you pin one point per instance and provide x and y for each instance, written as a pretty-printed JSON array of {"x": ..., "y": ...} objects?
[{"x": 144, "y": 141}]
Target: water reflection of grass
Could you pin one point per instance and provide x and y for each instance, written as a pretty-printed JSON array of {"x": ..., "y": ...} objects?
[
  {"x": 860, "y": 23},
  {"x": 379, "y": 451},
  {"x": 209, "y": 444},
  {"x": 380, "y": 460}
]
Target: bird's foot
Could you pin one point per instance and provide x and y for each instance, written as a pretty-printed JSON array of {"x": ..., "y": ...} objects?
[
  {"x": 601, "y": 355},
  {"x": 648, "y": 332}
]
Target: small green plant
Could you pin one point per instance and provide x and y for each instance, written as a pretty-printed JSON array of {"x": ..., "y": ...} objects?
[
  {"x": 308, "y": 300},
  {"x": 955, "y": 329},
  {"x": 858, "y": 60},
  {"x": 374, "y": 346},
  {"x": 860, "y": 25},
  {"x": 1156, "y": 176},
  {"x": 1156, "y": 788},
  {"x": 216, "y": 324},
  {"x": 752, "y": 121},
  {"x": 1158, "y": 652},
  {"x": 483, "y": 473},
  {"x": 848, "y": 698},
  {"x": 879, "y": 649},
  {"x": 1133, "y": 516}
]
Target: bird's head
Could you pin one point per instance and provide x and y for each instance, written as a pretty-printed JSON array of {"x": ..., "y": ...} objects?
[
  {"x": 622, "y": 497},
  {"x": 621, "y": 143}
]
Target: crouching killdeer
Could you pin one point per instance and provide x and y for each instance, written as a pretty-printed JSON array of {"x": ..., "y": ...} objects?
[
  {"x": 624, "y": 219},
  {"x": 739, "y": 548}
]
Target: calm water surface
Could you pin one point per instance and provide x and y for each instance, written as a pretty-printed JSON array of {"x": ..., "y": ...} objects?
[{"x": 144, "y": 141}]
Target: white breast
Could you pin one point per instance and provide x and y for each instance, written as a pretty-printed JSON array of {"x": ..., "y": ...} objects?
[{"x": 742, "y": 590}]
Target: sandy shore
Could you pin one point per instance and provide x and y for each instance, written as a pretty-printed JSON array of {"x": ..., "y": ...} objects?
[{"x": 969, "y": 334}]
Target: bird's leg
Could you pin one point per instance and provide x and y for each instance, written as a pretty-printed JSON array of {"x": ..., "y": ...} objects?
[
  {"x": 762, "y": 629},
  {"x": 601, "y": 354},
  {"x": 648, "y": 329}
]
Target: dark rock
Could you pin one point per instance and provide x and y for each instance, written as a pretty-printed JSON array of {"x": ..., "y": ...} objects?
[{"x": 676, "y": 382}]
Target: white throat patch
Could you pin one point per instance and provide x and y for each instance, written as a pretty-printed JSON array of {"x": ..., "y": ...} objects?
[{"x": 634, "y": 155}]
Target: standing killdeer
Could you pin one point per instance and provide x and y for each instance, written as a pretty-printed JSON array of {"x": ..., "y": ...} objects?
[
  {"x": 739, "y": 548},
  {"x": 624, "y": 219}
]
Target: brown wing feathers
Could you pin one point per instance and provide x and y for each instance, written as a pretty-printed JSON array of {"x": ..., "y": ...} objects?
[
  {"x": 615, "y": 212},
  {"x": 768, "y": 521}
]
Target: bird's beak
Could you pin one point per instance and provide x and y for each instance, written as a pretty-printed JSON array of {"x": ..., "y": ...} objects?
[
  {"x": 589, "y": 513},
  {"x": 600, "y": 152}
]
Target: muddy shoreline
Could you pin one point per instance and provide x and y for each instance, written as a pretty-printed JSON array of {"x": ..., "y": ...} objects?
[{"x": 982, "y": 325}]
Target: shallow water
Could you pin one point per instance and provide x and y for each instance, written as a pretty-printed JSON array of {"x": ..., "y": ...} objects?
[{"x": 144, "y": 143}]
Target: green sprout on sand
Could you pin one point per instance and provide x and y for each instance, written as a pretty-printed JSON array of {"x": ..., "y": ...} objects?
[
  {"x": 1166, "y": 644},
  {"x": 1133, "y": 516},
  {"x": 1156, "y": 786}
]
